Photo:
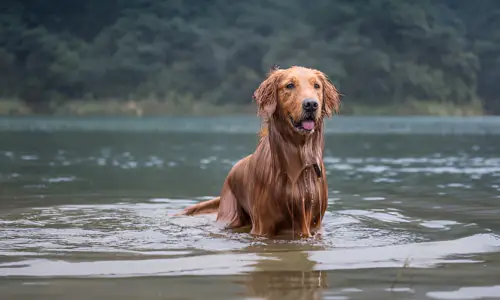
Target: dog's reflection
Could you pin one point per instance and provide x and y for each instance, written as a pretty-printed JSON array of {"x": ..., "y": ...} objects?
[{"x": 286, "y": 274}]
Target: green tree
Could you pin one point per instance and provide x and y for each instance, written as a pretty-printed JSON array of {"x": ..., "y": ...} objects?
[{"x": 376, "y": 51}]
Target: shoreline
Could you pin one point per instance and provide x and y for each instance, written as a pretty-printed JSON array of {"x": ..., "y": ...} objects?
[{"x": 150, "y": 108}]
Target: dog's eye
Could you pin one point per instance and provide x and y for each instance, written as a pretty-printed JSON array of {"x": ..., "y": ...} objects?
[
  {"x": 316, "y": 86},
  {"x": 290, "y": 86}
]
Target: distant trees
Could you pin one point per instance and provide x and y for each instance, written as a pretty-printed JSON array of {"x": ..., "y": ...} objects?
[{"x": 376, "y": 51}]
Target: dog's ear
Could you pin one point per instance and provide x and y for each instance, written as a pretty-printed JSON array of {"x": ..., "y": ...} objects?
[
  {"x": 331, "y": 98},
  {"x": 266, "y": 95}
]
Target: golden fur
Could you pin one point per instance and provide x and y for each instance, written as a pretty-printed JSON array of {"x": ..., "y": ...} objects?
[{"x": 278, "y": 188}]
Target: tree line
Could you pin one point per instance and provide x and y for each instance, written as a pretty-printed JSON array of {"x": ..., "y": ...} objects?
[{"x": 216, "y": 51}]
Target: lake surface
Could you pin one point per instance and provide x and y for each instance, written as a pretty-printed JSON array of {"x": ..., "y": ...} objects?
[{"x": 86, "y": 204}]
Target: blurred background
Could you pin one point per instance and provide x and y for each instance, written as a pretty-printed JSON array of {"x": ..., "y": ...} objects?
[{"x": 156, "y": 57}]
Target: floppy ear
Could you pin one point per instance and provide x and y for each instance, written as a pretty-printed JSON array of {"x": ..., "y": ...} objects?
[
  {"x": 331, "y": 97},
  {"x": 266, "y": 94}
]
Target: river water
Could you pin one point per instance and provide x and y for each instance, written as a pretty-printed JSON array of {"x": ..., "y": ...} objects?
[{"x": 86, "y": 204}]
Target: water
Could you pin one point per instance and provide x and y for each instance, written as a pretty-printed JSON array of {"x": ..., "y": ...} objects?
[{"x": 86, "y": 204}]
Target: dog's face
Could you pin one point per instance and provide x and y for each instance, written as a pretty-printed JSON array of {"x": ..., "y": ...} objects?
[{"x": 299, "y": 96}]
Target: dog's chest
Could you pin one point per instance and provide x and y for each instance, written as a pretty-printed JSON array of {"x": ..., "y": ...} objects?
[{"x": 306, "y": 191}]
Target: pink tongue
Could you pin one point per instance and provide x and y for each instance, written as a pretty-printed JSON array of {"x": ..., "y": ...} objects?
[{"x": 308, "y": 125}]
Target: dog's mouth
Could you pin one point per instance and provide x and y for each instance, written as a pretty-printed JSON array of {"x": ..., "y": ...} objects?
[{"x": 306, "y": 125}]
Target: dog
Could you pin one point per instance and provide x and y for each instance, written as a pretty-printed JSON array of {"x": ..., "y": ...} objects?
[{"x": 282, "y": 186}]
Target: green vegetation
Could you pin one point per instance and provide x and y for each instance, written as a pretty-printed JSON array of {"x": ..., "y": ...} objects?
[
  {"x": 143, "y": 57},
  {"x": 152, "y": 107},
  {"x": 417, "y": 108}
]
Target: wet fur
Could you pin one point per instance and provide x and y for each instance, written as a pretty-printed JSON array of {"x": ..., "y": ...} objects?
[{"x": 275, "y": 189}]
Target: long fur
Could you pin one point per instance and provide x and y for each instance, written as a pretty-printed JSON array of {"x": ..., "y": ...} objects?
[{"x": 276, "y": 189}]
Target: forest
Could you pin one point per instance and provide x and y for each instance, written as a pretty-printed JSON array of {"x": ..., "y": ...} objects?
[{"x": 173, "y": 56}]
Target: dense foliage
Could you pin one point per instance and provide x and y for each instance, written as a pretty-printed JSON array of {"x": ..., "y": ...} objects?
[{"x": 376, "y": 51}]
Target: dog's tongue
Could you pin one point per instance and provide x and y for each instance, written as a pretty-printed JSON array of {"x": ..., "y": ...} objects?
[{"x": 308, "y": 125}]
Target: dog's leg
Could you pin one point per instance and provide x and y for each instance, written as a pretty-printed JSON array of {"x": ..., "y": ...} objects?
[
  {"x": 205, "y": 207},
  {"x": 231, "y": 213}
]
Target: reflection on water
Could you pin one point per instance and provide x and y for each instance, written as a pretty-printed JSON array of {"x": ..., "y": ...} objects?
[
  {"x": 410, "y": 216},
  {"x": 271, "y": 280}
]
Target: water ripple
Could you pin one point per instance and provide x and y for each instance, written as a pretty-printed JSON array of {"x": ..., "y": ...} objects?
[{"x": 82, "y": 198}]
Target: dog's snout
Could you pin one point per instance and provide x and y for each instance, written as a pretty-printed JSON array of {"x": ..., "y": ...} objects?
[{"x": 310, "y": 105}]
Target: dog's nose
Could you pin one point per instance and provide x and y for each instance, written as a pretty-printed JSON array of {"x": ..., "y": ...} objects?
[{"x": 310, "y": 105}]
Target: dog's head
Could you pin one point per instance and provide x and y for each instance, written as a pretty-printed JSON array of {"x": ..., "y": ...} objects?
[{"x": 299, "y": 96}]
